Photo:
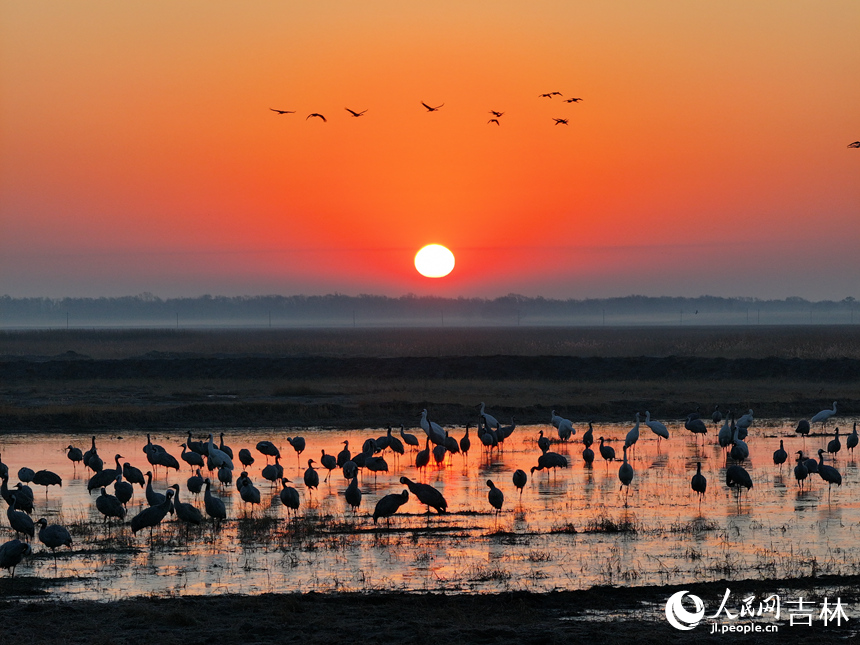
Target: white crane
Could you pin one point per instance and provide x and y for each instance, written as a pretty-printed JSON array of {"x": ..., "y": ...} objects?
[
  {"x": 565, "y": 429},
  {"x": 432, "y": 430},
  {"x": 657, "y": 428},
  {"x": 489, "y": 420},
  {"x": 217, "y": 457},
  {"x": 746, "y": 420},
  {"x": 823, "y": 416}
]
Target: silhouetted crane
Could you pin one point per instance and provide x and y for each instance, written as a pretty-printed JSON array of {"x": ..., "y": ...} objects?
[
  {"x": 289, "y": 496},
  {"x": 152, "y": 516},
  {"x": 110, "y": 506},
  {"x": 11, "y": 554},
  {"x": 699, "y": 483},
  {"x": 427, "y": 495},
  {"x": 214, "y": 506},
  {"x": 495, "y": 496},
  {"x": 389, "y": 505},
  {"x": 186, "y": 512},
  {"x": 353, "y": 494},
  {"x": 54, "y": 536},
  {"x": 520, "y": 480}
]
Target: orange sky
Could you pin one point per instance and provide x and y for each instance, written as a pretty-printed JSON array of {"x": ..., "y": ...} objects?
[{"x": 708, "y": 156}]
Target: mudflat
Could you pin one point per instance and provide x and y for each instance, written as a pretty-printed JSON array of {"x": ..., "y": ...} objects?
[
  {"x": 610, "y": 614},
  {"x": 105, "y": 380}
]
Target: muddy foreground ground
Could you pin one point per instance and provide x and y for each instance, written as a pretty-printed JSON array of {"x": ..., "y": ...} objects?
[{"x": 606, "y": 614}]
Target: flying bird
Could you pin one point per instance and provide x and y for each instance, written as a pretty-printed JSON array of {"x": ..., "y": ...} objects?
[
  {"x": 856, "y": 144},
  {"x": 572, "y": 100},
  {"x": 283, "y": 111},
  {"x": 494, "y": 113},
  {"x": 549, "y": 95},
  {"x": 560, "y": 121},
  {"x": 315, "y": 114},
  {"x": 496, "y": 121},
  {"x": 353, "y": 112},
  {"x": 431, "y": 109}
]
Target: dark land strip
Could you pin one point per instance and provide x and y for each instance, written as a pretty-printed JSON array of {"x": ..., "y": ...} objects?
[
  {"x": 71, "y": 392},
  {"x": 609, "y": 614}
]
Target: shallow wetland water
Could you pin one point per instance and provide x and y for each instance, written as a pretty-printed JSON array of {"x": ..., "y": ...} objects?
[{"x": 570, "y": 529}]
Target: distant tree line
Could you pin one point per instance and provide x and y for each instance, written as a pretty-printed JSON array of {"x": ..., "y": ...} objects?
[{"x": 338, "y": 309}]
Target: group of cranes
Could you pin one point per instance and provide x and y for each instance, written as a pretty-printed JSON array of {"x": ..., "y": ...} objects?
[
  {"x": 496, "y": 114},
  {"x": 218, "y": 459}
]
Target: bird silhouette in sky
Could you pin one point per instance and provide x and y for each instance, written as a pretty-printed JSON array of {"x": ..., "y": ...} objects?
[
  {"x": 546, "y": 96},
  {"x": 572, "y": 100},
  {"x": 315, "y": 114},
  {"x": 354, "y": 113},
  {"x": 496, "y": 121},
  {"x": 283, "y": 111},
  {"x": 496, "y": 114},
  {"x": 560, "y": 121},
  {"x": 856, "y": 144},
  {"x": 431, "y": 109}
]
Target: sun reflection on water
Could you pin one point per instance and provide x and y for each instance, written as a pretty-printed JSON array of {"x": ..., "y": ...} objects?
[{"x": 570, "y": 529}]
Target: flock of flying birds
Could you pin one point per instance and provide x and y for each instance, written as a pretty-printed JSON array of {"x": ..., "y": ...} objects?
[
  {"x": 496, "y": 114},
  {"x": 218, "y": 460}
]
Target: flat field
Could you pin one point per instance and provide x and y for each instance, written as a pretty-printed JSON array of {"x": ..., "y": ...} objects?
[
  {"x": 98, "y": 380},
  {"x": 103, "y": 381}
]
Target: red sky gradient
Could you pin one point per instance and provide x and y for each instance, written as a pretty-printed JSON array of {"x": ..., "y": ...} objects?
[{"x": 708, "y": 156}]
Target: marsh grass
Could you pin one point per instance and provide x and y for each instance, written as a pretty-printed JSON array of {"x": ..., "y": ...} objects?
[
  {"x": 492, "y": 572},
  {"x": 604, "y": 524}
]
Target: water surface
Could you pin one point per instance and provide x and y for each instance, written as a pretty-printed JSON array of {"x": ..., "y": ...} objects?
[{"x": 570, "y": 529}]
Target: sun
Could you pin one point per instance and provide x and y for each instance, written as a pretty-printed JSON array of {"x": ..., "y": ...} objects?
[{"x": 434, "y": 261}]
